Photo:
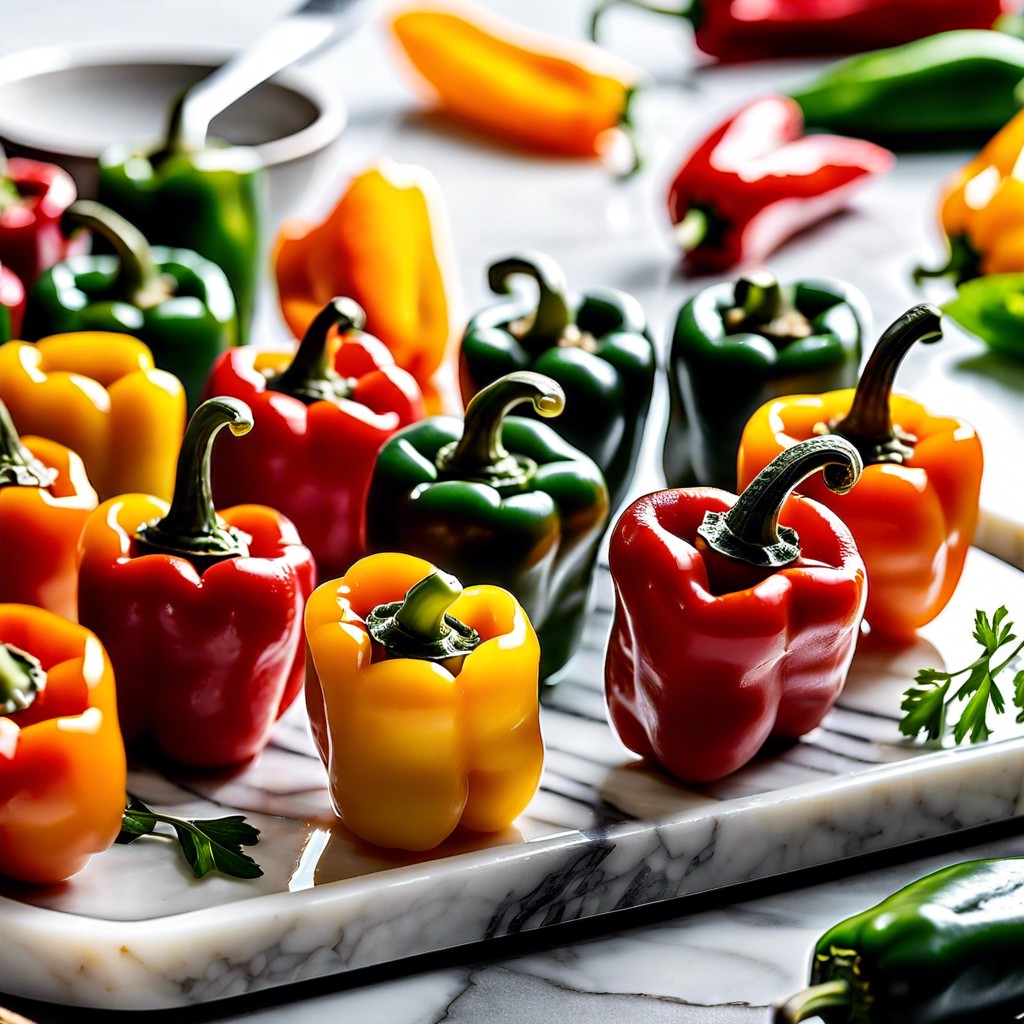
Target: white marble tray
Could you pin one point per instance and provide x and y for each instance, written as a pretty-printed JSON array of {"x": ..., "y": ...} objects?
[{"x": 605, "y": 832}]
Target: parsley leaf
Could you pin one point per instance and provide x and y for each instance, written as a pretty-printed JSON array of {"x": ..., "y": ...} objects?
[{"x": 210, "y": 844}]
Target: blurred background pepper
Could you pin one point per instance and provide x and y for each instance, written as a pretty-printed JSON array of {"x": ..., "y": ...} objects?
[{"x": 12, "y": 305}]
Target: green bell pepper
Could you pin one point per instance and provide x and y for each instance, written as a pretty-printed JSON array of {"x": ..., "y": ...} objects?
[
  {"x": 737, "y": 346},
  {"x": 945, "y": 91},
  {"x": 500, "y": 501},
  {"x": 946, "y": 948},
  {"x": 992, "y": 307},
  {"x": 595, "y": 345},
  {"x": 174, "y": 300},
  {"x": 193, "y": 193}
]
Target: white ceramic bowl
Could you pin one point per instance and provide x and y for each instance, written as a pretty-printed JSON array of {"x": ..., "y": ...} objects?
[{"x": 66, "y": 104}]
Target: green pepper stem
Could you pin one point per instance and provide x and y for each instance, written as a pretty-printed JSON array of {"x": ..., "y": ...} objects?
[
  {"x": 689, "y": 11},
  {"x": 868, "y": 424},
  {"x": 552, "y": 315},
  {"x": 138, "y": 279},
  {"x": 309, "y": 377},
  {"x": 192, "y": 529},
  {"x": 22, "y": 679},
  {"x": 749, "y": 532},
  {"x": 811, "y": 1000},
  {"x": 18, "y": 466},
  {"x": 692, "y": 229},
  {"x": 964, "y": 263},
  {"x": 10, "y": 194},
  {"x": 759, "y": 297}
]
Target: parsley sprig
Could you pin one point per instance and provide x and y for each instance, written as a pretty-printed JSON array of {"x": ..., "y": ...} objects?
[
  {"x": 209, "y": 844},
  {"x": 926, "y": 704}
]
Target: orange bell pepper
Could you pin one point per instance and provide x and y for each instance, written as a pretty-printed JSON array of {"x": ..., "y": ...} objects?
[
  {"x": 385, "y": 245},
  {"x": 424, "y": 709},
  {"x": 99, "y": 394},
  {"x": 45, "y": 498},
  {"x": 555, "y": 95},
  {"x": 915, "y": 507},
  {"x": 62, "y": 760}
]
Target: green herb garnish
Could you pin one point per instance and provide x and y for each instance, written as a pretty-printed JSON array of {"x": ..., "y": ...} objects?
[
  {"x": 210, "y": 844},
  {"x": 925, "y": 704}
]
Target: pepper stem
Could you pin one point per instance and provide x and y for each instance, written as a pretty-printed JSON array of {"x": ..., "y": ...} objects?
[
  {"x": 868, "y": 425},
  {"x": 552, "y": 315},
  {"x": 811, "y": 1000},
  {"x": 964, "y": 262},
  {"x": 687, "y": 11},
  {"x": 750, "y": 532},
  {"x": 479, "y": 454},
  {"x": 138, "y": 279},
  {"x": 192, "y": 529},
  {"x": 22, "y": 679},
  {"x": 419, "y": 626},
  {"x": 758, "y": 297},
  {"x": 18, "y": 466},
  {"x": 10, "y": 194},
  {"x": 309, "y": 377},
  {"x": 691, "y": 230}
]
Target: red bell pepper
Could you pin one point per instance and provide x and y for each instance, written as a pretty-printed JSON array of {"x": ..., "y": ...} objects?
[
  {"x": 757, "y": 179},
  {"x": 12, "y": 304},
  {"x": 33, "y": 197},
  {"x": 729, "y": 627},
  {"x": 200, "y": 613},
  {"x": 736, "y": 30},
  {"x": 319, "y": 429}
]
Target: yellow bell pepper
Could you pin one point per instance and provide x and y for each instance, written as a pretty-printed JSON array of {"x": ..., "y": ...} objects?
[
  {"x": 422, "y": 699},
  {"x": 99, "y": 394}
]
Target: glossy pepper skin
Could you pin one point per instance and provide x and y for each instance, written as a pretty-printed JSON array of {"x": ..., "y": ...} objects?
[
  {"x": 499, "y": 501},
  {"x": 914, "y": 510},
  {"x": 45, "y": 498},
  {"x": 941, "y": 92},
  {"x": 728, "y": 628},
  {"x": 100, "y": 395},
  {"x": 175, "y": 301},
  {"x": 201, "y": 612},
  {"x": 738, "y": 344},
  {"x": 320, "y": 421},
  {"x": 12, "y": 305},
  {"x": 757, "y": 179},
  {"x": 419, "y": 739},
  {"x": 946, "y": 948},
  {"x": 725, "y": 29},
  {"x": 595, "y": 345},
  {"x": 547, "y": 94},
  {"x": 384, "y": 245},
  {"x": 62, "y": 760},
  {"x": 198, "y": 194}
]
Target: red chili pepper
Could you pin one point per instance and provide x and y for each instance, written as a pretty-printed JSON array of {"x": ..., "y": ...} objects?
[
  {"x": 757, "y": 180},
  {"x": 33, "y": 196},
  {"x": 730, "y": 628},
  {"x": 318, "y": 429},
  {"x": 12, "y": 304},
  {"x": 738, "y": 30},
  {"x": 200, "y": 613}
]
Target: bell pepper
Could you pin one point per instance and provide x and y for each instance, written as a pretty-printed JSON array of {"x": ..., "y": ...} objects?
[
  {"x": 422, "y": 701},
  {"x": 195, "y": 193},
  {"x": 914, "y": 511},
  {"x": 99, "y": 394},
  {"x": 33, "y": 198},
  {"x": 736, "y": 345},
  {"x": 319, "y": 429},
  {"x": 175, "y": 301},
  {"x": 757, "y": 179},
  {"x": 982, "y": 211},
  {"x": 62, "y": 760},
  {"x": 992, "y": 307},
  {"x": 12, "y": 305},
  {"x": 730, "y": 628},
  {"x": 595, "y": 345},
  {"x": 942, "y": 92},
  {"x": 553, "y": 95},
  {"x": 384, "y": 245},
  {"x": 201, "y": 612},
  {"x": 946, "y": 948},
  {"x": 499, "y": 501},
  {"x": 45, "y": 498}
]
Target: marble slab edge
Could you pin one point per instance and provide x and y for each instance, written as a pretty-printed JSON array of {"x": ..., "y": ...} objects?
[{"x": 283, "y": 938}]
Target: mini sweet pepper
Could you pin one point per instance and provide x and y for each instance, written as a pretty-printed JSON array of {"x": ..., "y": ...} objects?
[
  {"x": 422, "y": 700},
  {"x": 201, "y": 612},
  {"x": 735, "y": 618},
  {"x": 914, "y": 510},
  {"x": 62, "y": 760}
]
